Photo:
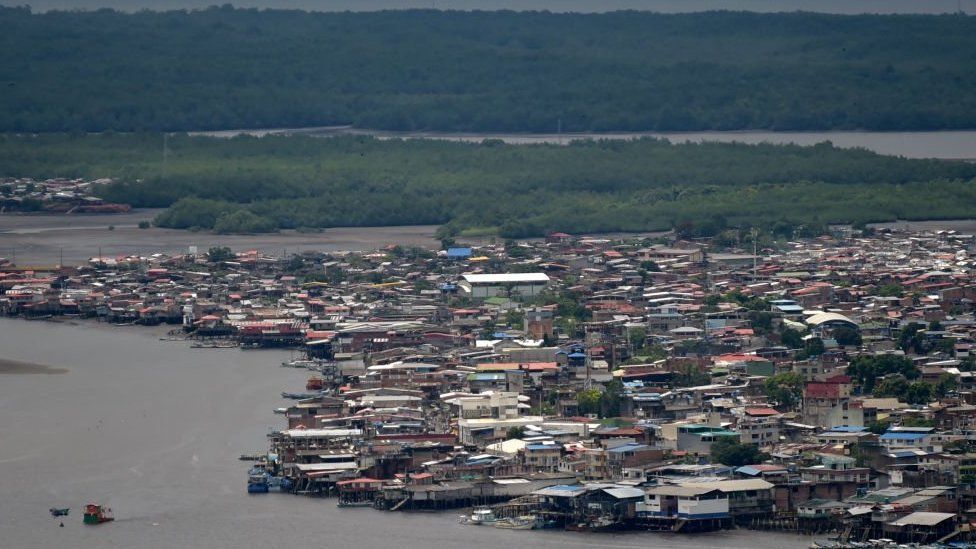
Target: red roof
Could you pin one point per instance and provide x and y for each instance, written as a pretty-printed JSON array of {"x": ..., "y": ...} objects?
[
  {"x": 766, "y": 411},
  {"x": 822, "y": 390},
  {"x": 363, "y": 480}
]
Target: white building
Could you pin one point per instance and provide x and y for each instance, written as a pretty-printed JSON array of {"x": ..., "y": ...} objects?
[{"x": 481, "y": 286}]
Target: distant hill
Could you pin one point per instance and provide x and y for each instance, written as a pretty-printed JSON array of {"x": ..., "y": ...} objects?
[{"x": 484, "y": 71}]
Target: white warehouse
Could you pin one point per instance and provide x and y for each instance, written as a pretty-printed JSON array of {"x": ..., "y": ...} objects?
[{"x": 480, "y": 286}]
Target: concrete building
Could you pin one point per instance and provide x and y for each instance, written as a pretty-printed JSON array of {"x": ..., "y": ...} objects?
[{"x": 482, "y": 286}]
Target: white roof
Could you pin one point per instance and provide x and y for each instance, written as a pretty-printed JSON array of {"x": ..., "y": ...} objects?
[
  {"x": 821, "y": 317},
  {"x": 502, "y": 278},
  {"x": 317, "y": 433},
  {"x": 339, "y": 466},
  {"x": 923, "y": 519}
]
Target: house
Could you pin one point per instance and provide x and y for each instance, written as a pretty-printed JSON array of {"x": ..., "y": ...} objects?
[
  {"x": 910, "y": 437},
  {"x": 698, "y": 438}
]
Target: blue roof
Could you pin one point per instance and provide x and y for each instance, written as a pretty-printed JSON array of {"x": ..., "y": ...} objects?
[
  {"x": 629, "y": 447},
  {"x": 566, "y": 487},
  {"x": 903, "y": 436},
  {"x": 577, "y": 355},
  {"x": 459, "y": 252},
  {"x": 542, "y": 447}
]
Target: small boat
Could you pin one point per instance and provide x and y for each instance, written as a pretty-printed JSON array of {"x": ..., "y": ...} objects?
[
  {"x": 315, "y": 384},
  {"x": 298, "y": 396},
  {"x": 97, "y": 514},
  {"x": 299, "y": 364},
  {"x": 518, "y": 523},
  {"x": 258, "y": 484},
  {"x": 258, "y": 480},
  {"x": 280, "y": 484},
  {"x": 59, "y": 512},
  {"x": 479, "y": 516}
]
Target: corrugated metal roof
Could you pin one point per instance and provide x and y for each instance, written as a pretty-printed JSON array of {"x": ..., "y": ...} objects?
[
  {"x": 922, "y": 518},
  {"x": 502, "y": 278}
]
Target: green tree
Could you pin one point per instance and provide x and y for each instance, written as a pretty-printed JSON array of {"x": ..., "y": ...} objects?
[
  {"x": 218, "y": 254},
  {"x": 890, "y": 290},
  {"x": 866, "y": 370},
  {"x": 515, "y": 433},
  {"x": 761, "y": 321},
  {"x": 847, "y": 336},
  {"x": 588, "y": 401},
  {"x": 791, "y": 338},
  {"x": 918, "y": 392},
  {"x": 785, "y": 388},
  {"x": 946, "y": 384},
  {"x": 637, "y": 337},
  {"x": 892, "y": 387},
  {"x": 814, "y": 346},
  {"x": 728, "y": 450},
  {"x": 610, "y": 399}
]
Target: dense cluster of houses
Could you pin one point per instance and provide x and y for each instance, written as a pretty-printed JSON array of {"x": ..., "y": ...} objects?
[
  {"x": 663, "y": 384},
  {"x": 58, "y": 195}
]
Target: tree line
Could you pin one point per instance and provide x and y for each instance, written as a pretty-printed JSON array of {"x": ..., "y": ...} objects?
[
  {"x": 249, "y": 184},
  {"x": 222, "y": 68}
]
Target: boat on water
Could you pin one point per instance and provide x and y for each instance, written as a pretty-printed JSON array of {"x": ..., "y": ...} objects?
[
  {"x": 480, "y": 516},
  {"x": 298, "y": 396},
  {"x": 309, "y": 364},
  {"x": 97, "y": 514},
  {"x": 59, "y": 511},
  {"x": 315, "y": 384},
  {"x": 257, "y": 481},
  {"x": 280, "y": 484},
  {"x": 518, "y": 523},
  {"x": 594, "y": 524},
  {"x": 882, "y": 543}
]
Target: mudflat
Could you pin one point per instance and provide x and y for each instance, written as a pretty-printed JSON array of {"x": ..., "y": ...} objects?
[
  {"x": 15, "y": 367},
  {"x": 73, "y": 239}
]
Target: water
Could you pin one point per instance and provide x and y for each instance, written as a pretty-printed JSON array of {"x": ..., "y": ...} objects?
[
  {"x": 154, "y": 428},
  {"x": 955, "y": 145},
  {"x": 73, "y": 239},
  {"x": 665, "y": 6}
]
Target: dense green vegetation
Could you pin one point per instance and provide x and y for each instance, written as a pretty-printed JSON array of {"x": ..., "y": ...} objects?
[
  {"x": 500, "y": 71},
  {"x": 729, "y": 451},
  {"x": 249, "y": 184}
]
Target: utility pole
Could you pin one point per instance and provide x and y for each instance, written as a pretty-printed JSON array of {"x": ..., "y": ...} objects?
[{"x": 755, "y": 234}]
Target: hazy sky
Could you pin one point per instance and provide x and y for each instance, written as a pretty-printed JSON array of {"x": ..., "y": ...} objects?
[{"x": 670, "y": 6}]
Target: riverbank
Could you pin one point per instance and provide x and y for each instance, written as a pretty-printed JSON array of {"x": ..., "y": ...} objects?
[
  {"x": 153, "y": 429},
  {"x": 46, "y": 239},
  {"x": 949, "y": 145}
]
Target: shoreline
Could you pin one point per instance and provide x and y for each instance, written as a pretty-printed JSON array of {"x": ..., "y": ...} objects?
[
  {"x": 16, "y": 367},
  {"x": 949, "y": 144}
]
